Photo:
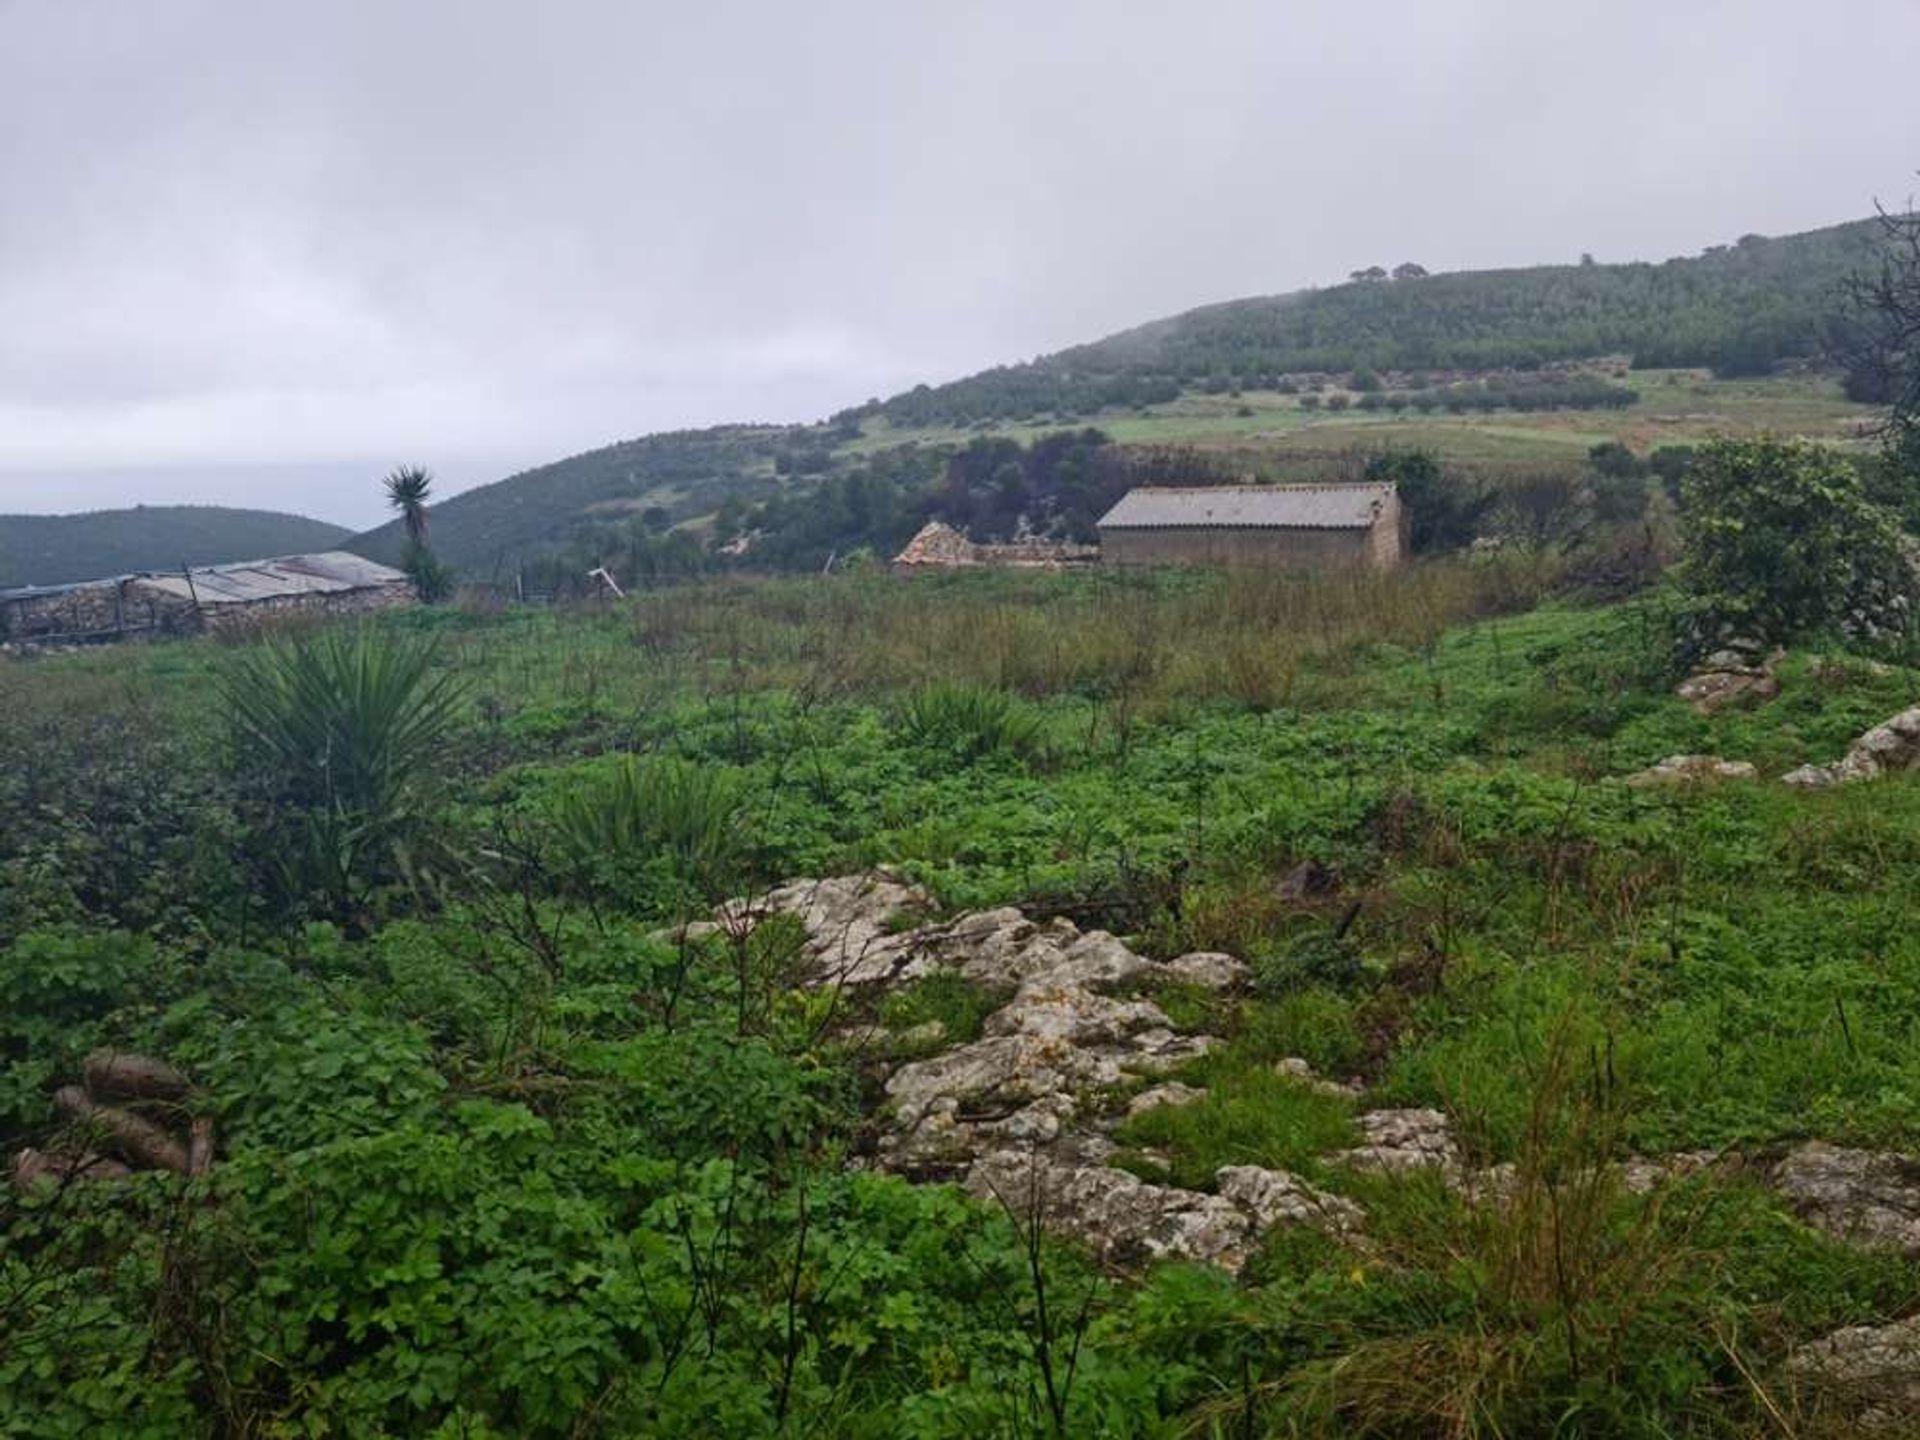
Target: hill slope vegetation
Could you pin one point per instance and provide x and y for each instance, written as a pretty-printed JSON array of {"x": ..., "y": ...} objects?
[
  {"x": 57, "y": 549},
  {"x": 1739, "y": 308},
  {"x": 1392, "y": 347}
]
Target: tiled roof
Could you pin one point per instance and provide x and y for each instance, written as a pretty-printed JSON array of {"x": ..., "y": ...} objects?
[{"x": 1248, "y": 507}]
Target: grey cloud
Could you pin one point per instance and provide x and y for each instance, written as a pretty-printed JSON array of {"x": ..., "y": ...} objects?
[{"x": 236, "y": 236}]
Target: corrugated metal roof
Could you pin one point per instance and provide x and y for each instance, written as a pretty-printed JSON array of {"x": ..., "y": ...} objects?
[
  {"x": 34, "y": 592},
  {"x": 1262, "y": 507},
  {"x": 251, "y": 580}
]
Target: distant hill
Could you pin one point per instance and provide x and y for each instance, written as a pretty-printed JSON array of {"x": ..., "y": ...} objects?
[
  {"x": 1739, "y": 308},
  {"x": 55, "y": 549},
  {"x": 484, "y": 532}
]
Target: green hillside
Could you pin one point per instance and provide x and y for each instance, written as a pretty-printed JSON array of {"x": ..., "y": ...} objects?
[
  {"x": 485, "y": 532},
  {"x": 1739, "y": 308},
  {"x": 55, "y": 549},
  {"x": 1492, "y": 368}
]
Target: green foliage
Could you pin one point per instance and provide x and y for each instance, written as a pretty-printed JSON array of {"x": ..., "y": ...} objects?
[
  {"x": 340, "y": 735},
  {"x": 432, "y": 581},
  {"x": 1782, "y": 542},
  {"x": 1739, "y": 307},
  {"x": 522, "y": 1158},
  {"x": 58, "y": 990},
  {"x": 1446, "y": 508},
  {"x": 654, "y": 828},
  {"x": 958, "y": 1005},
  {"x": 970, "y": 721},
  {"x": 1249, "y": 1116},
  {"x": 109, "y": 811}
]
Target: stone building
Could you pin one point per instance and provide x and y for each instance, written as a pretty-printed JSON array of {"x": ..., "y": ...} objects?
[
  {"x": 203, "y": 598},
  {"x": 937, "y": 546},
  {"x": 1292, "y": 527}
]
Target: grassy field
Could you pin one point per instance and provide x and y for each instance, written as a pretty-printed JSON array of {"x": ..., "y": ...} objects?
[
  {"x": 1677, "y": 407},
  {"x": 496, "y": 1160}
]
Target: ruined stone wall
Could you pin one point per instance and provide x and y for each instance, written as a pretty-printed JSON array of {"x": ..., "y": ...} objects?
[
  {"x": 113, "y": 609},
  {"x": 1392, "y": 538},
  {"x": 235, "y": 619}
]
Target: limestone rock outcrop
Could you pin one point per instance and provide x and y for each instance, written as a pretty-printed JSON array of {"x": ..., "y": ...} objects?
[
  {"x": 1890, "y": 746},
  {"x": 1692, "y": 770},
  {"x": 1735, "y": 676},
  {"x": 1867, "y": 1197},
  {"x": 1022, "y": 1113},
  {"x": 1870, "y": 1371}
]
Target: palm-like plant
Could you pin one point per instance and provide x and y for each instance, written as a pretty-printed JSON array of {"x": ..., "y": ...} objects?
[
  {"x": 340, "y": 734},
  {"x": 407, "y": 491}
]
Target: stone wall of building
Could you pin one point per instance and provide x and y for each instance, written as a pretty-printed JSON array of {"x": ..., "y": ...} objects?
[
  {"x": 89, "y": 612},
  {"x": 1273, "y": 549},
  {"x": 239, "y": 618},
  {"x": 115, "y": 609}
]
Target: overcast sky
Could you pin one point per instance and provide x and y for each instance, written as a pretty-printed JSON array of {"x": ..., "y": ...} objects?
[{"x": 256, "y": 253}]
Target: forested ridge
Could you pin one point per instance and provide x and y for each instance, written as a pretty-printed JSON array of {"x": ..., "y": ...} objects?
[
  {"x": 1739, "y": 308},
  {"x": 1419, "y": 344}
]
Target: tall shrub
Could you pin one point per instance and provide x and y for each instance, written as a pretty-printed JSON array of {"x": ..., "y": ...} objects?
[{"x": 1783, "y": 541}]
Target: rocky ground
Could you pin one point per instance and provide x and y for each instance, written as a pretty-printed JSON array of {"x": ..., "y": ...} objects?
[{"x": 1024, "y": 1113}]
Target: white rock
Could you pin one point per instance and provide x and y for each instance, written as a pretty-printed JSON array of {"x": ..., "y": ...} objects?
[
  {"x": 1889, "y": 747},
  {"x": 1401, "y": 1140},
  {"x": 1209, "y": 968},
  {"x": 1172, "y": 1093},
  {"x": 1870, "y": 1369},
  {"x": 1692, "y": 769},
  {"x": 1864, "y": 1196}
]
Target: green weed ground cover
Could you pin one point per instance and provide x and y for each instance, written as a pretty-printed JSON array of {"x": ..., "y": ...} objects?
[{"x": 499, "y": 1158}]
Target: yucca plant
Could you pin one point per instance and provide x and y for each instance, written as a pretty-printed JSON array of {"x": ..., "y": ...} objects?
[
  {"x": 661, "y": 813},
  {"x": 974, "y": 720},
  {"x": 339, "y": 734},
  {"x": 408, "y": 490}
]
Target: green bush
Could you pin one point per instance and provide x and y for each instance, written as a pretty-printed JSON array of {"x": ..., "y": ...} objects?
[{"x": 1782, "y": 542}]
